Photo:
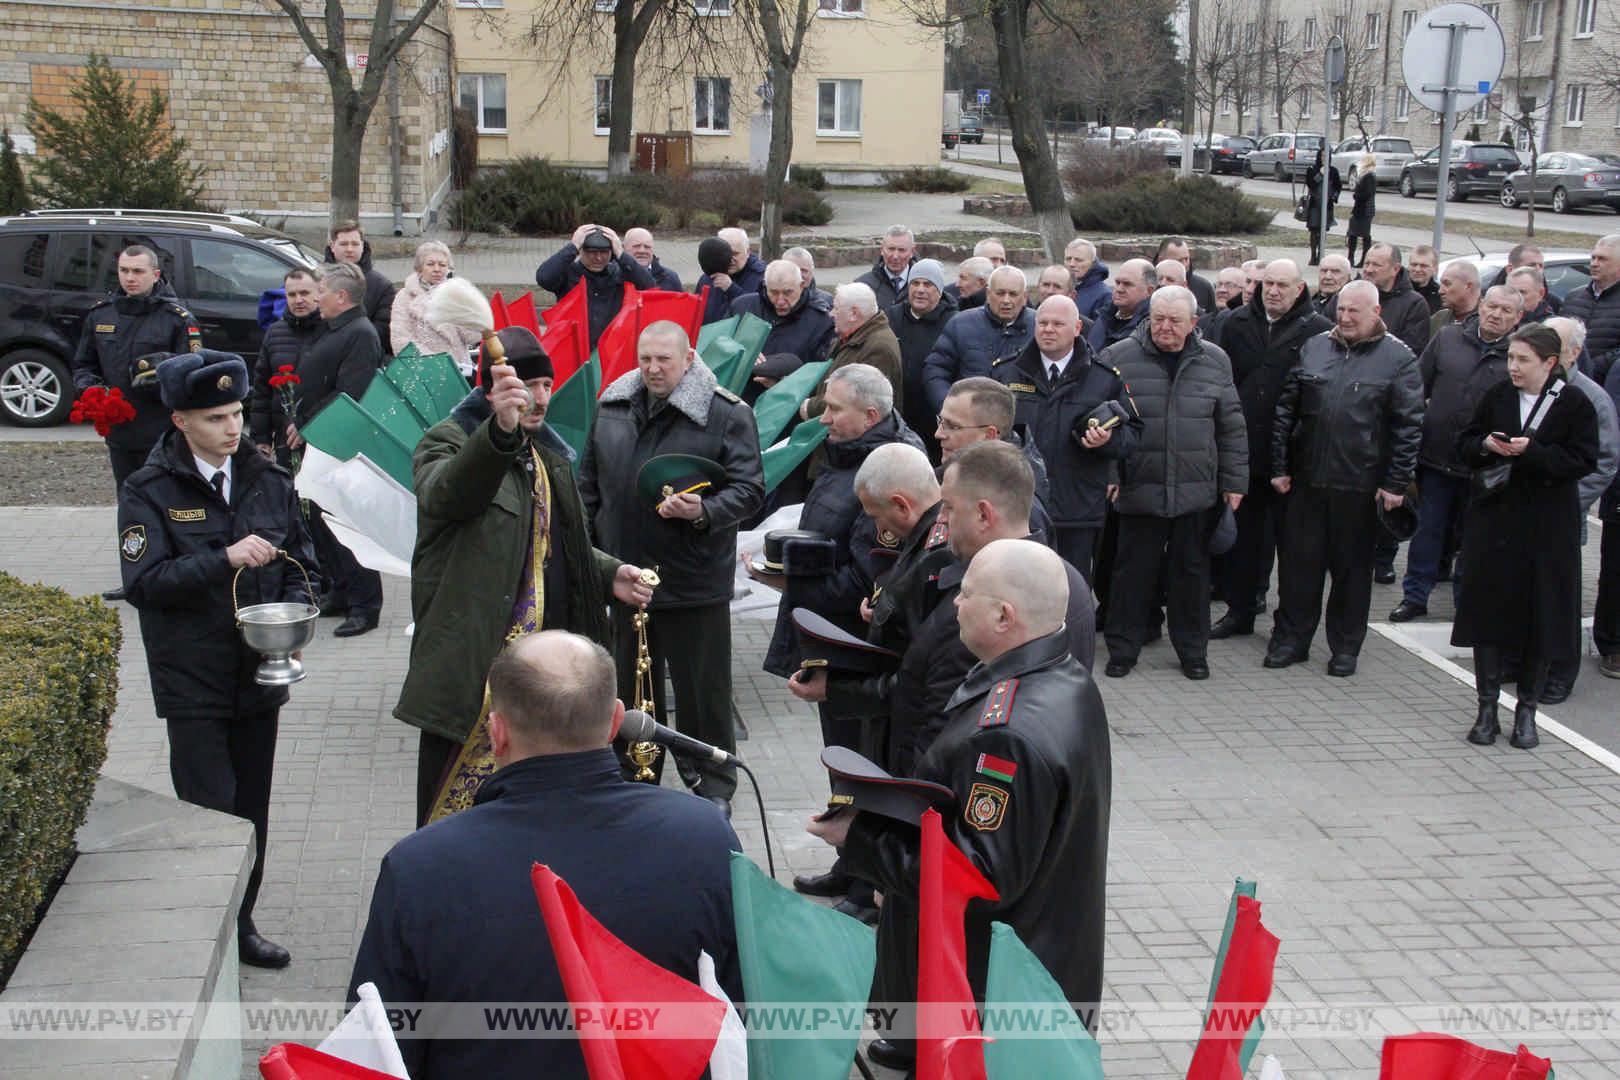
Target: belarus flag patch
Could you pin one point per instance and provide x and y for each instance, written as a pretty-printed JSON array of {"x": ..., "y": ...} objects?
[{"x": 1000, "y": 768}]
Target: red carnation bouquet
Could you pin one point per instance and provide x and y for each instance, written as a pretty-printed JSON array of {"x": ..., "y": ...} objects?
[
  {"x": 285, "y": 383},
  {"x": 104, "y": 408}
]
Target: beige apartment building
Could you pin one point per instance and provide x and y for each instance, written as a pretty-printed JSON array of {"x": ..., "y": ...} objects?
[
  {"x": 248, "y": 97},
  {"x": 1562, "y": 63},
  {"x": 866, "y": 98}
]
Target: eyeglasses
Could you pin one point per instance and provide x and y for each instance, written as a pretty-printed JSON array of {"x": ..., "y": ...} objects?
[{"x": 953, "y": 426}]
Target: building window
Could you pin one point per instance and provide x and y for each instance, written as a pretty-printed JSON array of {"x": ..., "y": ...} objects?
[
  {"x": 838, "y": 107},
  {"x": 711, "y": 109},
  {"x": 845, "y": 8},
  {"x": 1374, "y": 25},
  {"x": 1305, "y": 105},
  {"x": 1403, "y": 103},
  {"x": 712, "y": 7},
  {"x": 1308, "y": 36},
  {"x": 485, "y": 96},
  {"x": 1493, "y": 10},
  {"x": 1248, "y": 35},
  {"x": 1408, "y": 20},
  {"x": 1534, "y": 14},
  {"x": 1282, "y": 33},
  {"x": 1575, "y": 105},
  {"x": 1338, "y": 26},
  {"x": 1585, "y": 18},
  {"x": 1336, "y": 105},
  {"x": 604, "y": 103},
  {"x": 1482, "y": 111}
]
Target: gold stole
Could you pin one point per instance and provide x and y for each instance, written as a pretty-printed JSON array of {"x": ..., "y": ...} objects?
[{"x": 476, "y": 761}]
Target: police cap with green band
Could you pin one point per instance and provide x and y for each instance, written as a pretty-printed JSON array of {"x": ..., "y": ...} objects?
[{"x": 679, "y": 473}]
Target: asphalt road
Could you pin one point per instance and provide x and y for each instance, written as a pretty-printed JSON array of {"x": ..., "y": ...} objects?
[{"x": 1593, "y": 223}]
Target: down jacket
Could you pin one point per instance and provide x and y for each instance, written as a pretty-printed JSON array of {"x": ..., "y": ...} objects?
[
  {"x": 970, "y": 344},
  {"x": 1193, "y": 446},
  {"x": 1458, "y": 368}
]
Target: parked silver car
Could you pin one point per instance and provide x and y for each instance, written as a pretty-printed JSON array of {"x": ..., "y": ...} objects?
[
  {"x": 1283, "y": 155},
  {"x": 1390, "y": 151},
  {"x": 1565, "y": 182}
]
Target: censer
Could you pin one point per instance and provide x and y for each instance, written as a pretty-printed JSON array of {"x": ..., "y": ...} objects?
[{"x": 643, "y": 753}]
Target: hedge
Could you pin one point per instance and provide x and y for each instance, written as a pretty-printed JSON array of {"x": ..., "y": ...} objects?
[
  {"x": 533, "y": 197},
  {"x": 1197, "y": 205},
  {"x": 58, "y": 687},
  {"x": 926, "y": 180}
]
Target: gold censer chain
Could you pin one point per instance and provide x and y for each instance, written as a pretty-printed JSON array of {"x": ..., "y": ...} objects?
[{"x": 643, "y": 754}]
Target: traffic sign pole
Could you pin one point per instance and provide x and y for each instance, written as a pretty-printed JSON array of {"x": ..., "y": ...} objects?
[
  {"x": 1448, "y": 120},
  {"x": 1333, "y": 65}
]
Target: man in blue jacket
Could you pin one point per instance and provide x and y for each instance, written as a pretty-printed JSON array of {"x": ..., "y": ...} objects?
[
  {"x": 973, "y": 341},
  {"x": 454, "y": 919}
]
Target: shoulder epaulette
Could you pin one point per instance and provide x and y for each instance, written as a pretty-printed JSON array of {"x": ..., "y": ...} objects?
[
  {"x": 998, "y": 705},
  {"x": 728, "y": 395},
  {"x": 104, "y": 302}
]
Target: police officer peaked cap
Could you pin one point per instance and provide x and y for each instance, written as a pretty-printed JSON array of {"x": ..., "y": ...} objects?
[
  {"x": 825, "y": 644},
  {"x": 205, "y": 379},
  {"x": 714, "y": 256},
  {"x": 860, "y": 783},
  {"x": 524, "y": 353}
]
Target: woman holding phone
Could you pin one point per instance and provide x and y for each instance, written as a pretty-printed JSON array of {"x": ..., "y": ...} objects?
[{"x": 1529, "y": 444}]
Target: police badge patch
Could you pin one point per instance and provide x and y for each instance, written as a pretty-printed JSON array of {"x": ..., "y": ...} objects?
[
  {"x": 986, "y": 806},
  {"x": 132, "y": 544}
]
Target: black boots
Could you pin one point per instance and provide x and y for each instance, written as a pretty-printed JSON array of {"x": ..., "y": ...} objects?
[
  {"x": 1488, "y": 685},
  {"x": 1485, "y": 729},
  {"x": 1524, "y": 727}
]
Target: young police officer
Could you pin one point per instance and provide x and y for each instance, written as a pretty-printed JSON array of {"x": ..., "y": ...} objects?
[{"x": 205, "y": 506}]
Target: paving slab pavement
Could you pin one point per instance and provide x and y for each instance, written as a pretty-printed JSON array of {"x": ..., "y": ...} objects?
[{"x": 1404, "y": 870}]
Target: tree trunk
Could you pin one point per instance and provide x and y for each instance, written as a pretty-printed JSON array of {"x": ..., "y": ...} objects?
[
  {"x": 777, "y": 160},
  {"x": 349, "y": 118},
  {"x": 621, "y": 110},
  {"x": 1042, "y": 184}
]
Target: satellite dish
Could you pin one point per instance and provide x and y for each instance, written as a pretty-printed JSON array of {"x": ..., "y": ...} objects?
[{"x": 1425, "y": 56}]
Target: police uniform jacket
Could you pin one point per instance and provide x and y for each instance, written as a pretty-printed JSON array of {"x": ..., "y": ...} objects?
[
  {"x": 342, "y": 360},
  {"x": 604, "y": 289},
  {"x": 1054, "y": 414},
  {"x": 118, "y": 332},
  {"x": 173, "y": 529},
  {"x": 1025, "y": 749},
  {"x": 288, "y": 340},
  {"x": 833, "y": 510},
  {"x": 454, "y": 919},
  {"x": 474, "y": 512},
  {"x": 695, "y": 559},
  {"x": 1262, "y": 354}
]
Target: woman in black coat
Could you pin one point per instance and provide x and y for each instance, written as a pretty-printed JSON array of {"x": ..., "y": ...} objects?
[
  {"x": 1522, "y": 540},
  {"x": 1362, "y": 206},
  {"x": 1313, "y": 203}
]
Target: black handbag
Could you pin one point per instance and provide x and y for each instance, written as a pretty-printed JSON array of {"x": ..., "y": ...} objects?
[
  {"x": 1301, "y": 211},
  {"x": 1492, "y": 479}
]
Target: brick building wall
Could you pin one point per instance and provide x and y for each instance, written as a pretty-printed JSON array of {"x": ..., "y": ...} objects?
[{"x": 245, "y": 94}]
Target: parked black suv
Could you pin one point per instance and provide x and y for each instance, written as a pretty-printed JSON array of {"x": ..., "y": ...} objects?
[
  {"x": 1476, "y": 169},
  {"x": 55, "y": 265}
]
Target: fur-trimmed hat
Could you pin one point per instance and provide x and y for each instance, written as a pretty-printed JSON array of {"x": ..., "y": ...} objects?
[{"x": 205, "y": 379}]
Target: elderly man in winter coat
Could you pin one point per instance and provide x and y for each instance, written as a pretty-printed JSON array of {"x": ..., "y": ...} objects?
[
  {"x": 1462, "y": 362},
  {"x": 1405, "y": 313},
  {"x": 1193, "y": 455},
  {"x": 1090, "y": 276},
  {"x": 800, "y": 327},
  {"x": 1344, "y": 442},
  {"x": 974, "y": 340},
  {"x": 917, "y": 322},
  {"x": 595, "y": 256},
  {"x": 864, "y": 337}
]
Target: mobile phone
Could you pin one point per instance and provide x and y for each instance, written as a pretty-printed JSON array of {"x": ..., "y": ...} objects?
[{"x": 1501, "y": 437}]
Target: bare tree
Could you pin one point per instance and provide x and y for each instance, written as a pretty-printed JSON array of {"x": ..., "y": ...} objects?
[
  {"x": 656, "y": 39},
  {"x": 1363, "y": 73},
  {"x": 1218, "y": 60},
  {"x": 1530, "y": 58},
  {"x": 780, "y": 30},
  {"x": 352, "y": 105},
  {"x": 1284, "y": 65}
]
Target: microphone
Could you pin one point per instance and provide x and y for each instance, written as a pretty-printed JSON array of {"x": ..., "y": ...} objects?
[{"x": 639, "y": 727}]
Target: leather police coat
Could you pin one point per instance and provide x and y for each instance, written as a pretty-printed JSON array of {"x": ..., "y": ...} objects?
[{"x": 1040, "y": 837}]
